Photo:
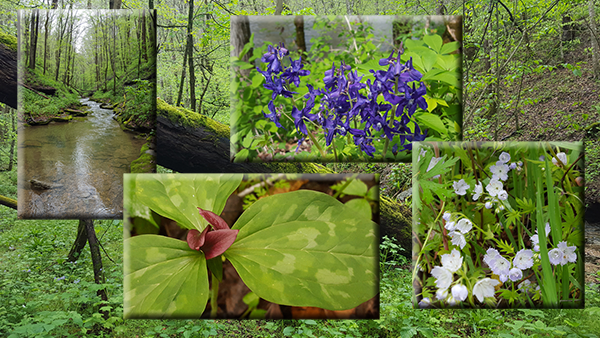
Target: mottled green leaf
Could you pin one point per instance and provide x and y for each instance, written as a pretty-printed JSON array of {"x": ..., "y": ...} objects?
[
  {"x": 305, "y": 248},
  {"x": 163, "y": 278},
  {"x": 178, "y": 196}
]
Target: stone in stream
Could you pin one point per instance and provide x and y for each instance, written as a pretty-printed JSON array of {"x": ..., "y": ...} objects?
[{"x": 40, "y": 185}]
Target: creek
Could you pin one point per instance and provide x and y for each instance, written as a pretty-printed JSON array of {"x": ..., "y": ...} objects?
[{"x": 83, "y": 161}]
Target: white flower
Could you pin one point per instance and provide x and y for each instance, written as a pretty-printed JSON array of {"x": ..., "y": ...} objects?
[
  {"x": 432, "y": 163},
  {"x": 460, "y": 187},
  {"x": 562, "y": 157},
  {"x": 547, "y": 228},
  {"x": 504, "y": 157},
  {"x": 478, "y": 191},
  {"x": 500, "y": 266},
  {"x": 500, "y": 171},
  {"x": 490, "y": 255},
  {"x": 464, "y": 225},
  {"x": 485, "y": 288},
  {"x": 555, "y": 256},
  {"x": 443, "y": 277},
  {"x": 500, "y": 208},
  {"x": 536, "y": 242},
  {"x": 458, "y": 239},
  {"x": 503, "y": 278},
  {"x": 523, "y": 259},
  {"x": 520, "y": 163},
  {"x": 447, "y": 216},
  {"x": 494, "y": 187},
  {"x": 502, "y": 195},
  {"x": 425, "y": 302},
  {"x": 441, "y": 294},
  {"x": 460, "y": 292},
  {"x": 515, "y": 274},
  {"x": 524, "y": 285},
  {"x": 450, "y": 226},
  {"x": 488, "y": 205},
  {"x": 422, "y": 154},
  {"x": 542, "y": 157},
  {"x": 513, "y": 166},
  {"x": 569, "y": 254},
  {"x": 452, "y": 261},
  {"x": 452, "y": 301}
]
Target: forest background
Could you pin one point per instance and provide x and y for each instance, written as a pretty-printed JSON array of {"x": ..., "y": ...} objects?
[{"x": 530, "y": 73}]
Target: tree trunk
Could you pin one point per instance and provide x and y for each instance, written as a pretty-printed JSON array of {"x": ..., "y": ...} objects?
[
  {"x": 183, "y": 72},
  {"x": 8, "y": 202},
  {"x": 114, "y": 4},
  {"x": 33, "y": 31},
  {"x": 300, "y": 42},
  {"x": 278, "y": 7},
  {"x": 46, "y": 40},
  {"x": 80, "y": 242},
  {"x": 240, "y": 36},
  {"x": 144, "y": 47},
  {"x": 96, "y": 261},
  {"x": 190, "y": 52},
  {"x": 594, "y": 31}
]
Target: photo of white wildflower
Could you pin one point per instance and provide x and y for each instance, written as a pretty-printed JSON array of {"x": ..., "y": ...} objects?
[{"x": 498, "y": 225}]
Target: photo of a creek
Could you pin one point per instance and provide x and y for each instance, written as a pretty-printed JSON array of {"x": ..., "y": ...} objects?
[{"x": 87, "y": 110}]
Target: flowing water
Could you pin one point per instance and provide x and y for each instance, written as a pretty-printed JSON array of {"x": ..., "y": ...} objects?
[{"x": 83, "y": 161}]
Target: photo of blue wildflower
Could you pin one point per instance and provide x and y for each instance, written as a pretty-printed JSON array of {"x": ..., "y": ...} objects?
[
  {"x": 498, "y": 225},
  {"x": 365, "y": 97}
]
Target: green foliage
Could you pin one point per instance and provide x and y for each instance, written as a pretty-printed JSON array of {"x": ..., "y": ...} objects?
[{"x": 138, "y": 101}]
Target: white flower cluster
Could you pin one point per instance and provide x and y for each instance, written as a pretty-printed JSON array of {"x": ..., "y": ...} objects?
[
  {"x": 495, "y": 187},
  {"x": 444, "y": 277},
  {"x": 458, "y": 229},
  {"x": 502, "y": 267},
  {"x": 562, "y": 157},
  {"x": 562, "y": 254}
]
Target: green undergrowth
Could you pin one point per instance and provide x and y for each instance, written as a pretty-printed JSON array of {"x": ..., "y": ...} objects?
[
  {"x": 43, "y": 295},
  {"x": 36, "y": 105}
]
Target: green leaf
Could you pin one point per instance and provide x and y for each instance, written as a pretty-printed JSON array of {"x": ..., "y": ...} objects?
[
  {"x": 257, "y": 80},
  {"x": 431, "y": 121},
  {"x": 251, "y": 299},
  {"x": 449, "y": 47},
  {"x": 305, "y": 248},
  {"x": 163, "y": 277},
  {"x": 356, "y": 187},
  {"x": 178, "y": 196},
  {"x": 433, "y": 41},
  {"x": 361, "y": 207}
]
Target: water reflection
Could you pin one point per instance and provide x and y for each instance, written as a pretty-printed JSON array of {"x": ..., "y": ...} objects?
[{"x": 82, "y": 162}]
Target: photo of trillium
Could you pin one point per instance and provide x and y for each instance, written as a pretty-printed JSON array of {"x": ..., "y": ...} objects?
[
  {"x": 498, "y": 225},
  {"x": 250, "y": 246},
  {"x": 343, "y": 88}
]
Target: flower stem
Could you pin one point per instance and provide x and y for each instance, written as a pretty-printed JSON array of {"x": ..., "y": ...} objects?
[
  {"x": 312, "y": 138},
  {"x": 213, "y": 297}
]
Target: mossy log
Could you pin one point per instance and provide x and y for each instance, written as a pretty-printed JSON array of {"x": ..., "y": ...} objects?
[
  {"x": 9, "y": 202},
  {"x": 188, "y": 142}
]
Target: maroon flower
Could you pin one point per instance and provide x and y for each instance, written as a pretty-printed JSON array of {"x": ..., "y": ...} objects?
[{"x": 215, "y": 242}]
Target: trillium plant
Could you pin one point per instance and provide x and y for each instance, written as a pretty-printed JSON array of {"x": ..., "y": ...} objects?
[
  {"x": 299, "y": 248},
  {"x": 498, "y": 225},
  {"x": 350, "y": 110}
]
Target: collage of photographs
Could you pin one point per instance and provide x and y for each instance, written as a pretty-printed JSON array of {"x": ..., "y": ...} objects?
[{"x": 418, "y": 168}]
